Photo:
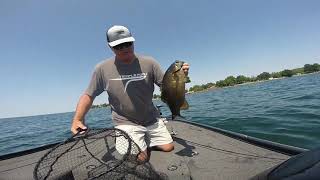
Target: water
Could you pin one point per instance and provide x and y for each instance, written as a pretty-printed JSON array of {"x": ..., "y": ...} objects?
[{"x": 283, "y": 110}]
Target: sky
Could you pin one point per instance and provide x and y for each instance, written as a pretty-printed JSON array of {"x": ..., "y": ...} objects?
[{"x": 48, "y": 49}]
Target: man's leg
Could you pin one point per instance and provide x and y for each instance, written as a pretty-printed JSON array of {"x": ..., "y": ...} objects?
[
  {"x": 165, "y": 147},
  {"x": 143, "y": 156},
  {"x": 136, "y": 133},
  {"x": 160, "y": 138}
]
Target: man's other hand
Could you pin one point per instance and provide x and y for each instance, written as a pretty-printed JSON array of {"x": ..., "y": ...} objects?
[{"x": 185, "y": 68}]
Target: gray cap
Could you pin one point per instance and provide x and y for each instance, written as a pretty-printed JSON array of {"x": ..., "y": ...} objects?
[{"x": 118, "y": 34}]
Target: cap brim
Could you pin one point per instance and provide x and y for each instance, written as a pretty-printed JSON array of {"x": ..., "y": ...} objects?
[{"x": 120, "y": 41}]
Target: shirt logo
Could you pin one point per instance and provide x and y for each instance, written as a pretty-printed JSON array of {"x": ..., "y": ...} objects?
[{"x": 131, "y": 78}]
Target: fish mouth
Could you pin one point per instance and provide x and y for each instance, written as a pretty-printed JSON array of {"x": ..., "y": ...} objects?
[{"x": 178, "y": 68}]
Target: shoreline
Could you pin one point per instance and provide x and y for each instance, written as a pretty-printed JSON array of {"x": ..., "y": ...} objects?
[{"x": 248, "y": 83}]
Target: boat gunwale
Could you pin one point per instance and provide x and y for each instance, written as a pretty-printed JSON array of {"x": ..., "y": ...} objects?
[{"x": 270, "y": 145}]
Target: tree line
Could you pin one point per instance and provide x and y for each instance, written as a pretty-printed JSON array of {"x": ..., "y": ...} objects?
[
  {"x": 231, "y": 80},
  {"x": 100, "y": 105}
]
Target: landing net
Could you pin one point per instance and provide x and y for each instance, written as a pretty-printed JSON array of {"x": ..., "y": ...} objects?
[{"x": 96, "y": 154}]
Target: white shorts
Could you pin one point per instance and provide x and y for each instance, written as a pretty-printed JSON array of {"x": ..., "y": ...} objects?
[{"x": 153, "y": 135}]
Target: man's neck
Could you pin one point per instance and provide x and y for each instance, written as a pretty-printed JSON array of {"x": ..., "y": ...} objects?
[{"x": 127, "y": 60}]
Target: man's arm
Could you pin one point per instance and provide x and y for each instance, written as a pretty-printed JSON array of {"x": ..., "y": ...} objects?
[
  {"x": 157, "y": 73},
  {"x": 83, "y": 107}
]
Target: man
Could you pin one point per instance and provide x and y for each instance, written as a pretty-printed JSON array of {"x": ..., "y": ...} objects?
[{"x": 129, "y": 81}]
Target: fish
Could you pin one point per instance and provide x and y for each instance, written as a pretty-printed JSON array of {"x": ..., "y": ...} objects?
[{"x": 173, "y": 88}]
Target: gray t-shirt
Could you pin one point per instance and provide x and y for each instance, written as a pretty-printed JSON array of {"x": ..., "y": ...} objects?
[{"x": 130, "y": 88}]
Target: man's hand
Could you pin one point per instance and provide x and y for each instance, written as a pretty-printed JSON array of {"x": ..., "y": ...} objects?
[
  {"x": 76, "y": 124},
  {"x": 185, "y": 68},
  {"x": 83, "y": 107}
]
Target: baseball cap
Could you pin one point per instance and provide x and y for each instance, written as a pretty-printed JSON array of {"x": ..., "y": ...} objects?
[{"x": 118, "y": 34}]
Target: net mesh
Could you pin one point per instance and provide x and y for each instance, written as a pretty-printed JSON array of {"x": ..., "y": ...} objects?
[{"x": 96, "y": 154}]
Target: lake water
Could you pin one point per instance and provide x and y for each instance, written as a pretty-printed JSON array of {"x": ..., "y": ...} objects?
[{"x": 283, "y": 110}]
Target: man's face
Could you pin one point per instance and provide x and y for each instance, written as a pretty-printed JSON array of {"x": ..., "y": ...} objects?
[{"x": 124, "y": 51}]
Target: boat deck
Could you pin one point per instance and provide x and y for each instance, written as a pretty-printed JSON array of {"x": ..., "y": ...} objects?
[
  {"x": 199, "y": 153},
  {"x": 203, "y": 154}
]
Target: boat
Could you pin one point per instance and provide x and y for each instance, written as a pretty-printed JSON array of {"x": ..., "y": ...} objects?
[{"x": 201, "y": 152}]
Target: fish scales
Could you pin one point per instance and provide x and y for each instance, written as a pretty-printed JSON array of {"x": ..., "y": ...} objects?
[{"x": 173, "y": 88}]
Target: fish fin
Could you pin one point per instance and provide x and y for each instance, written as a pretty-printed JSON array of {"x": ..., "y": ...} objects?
[
  {"x": 187, "y": 79},
  {"x": 185, "y": 105}
]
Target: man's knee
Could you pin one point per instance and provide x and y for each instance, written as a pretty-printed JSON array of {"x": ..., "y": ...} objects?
[
  {"x": 143, "y": 156},
  {"x": 166, "y": 147}
]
